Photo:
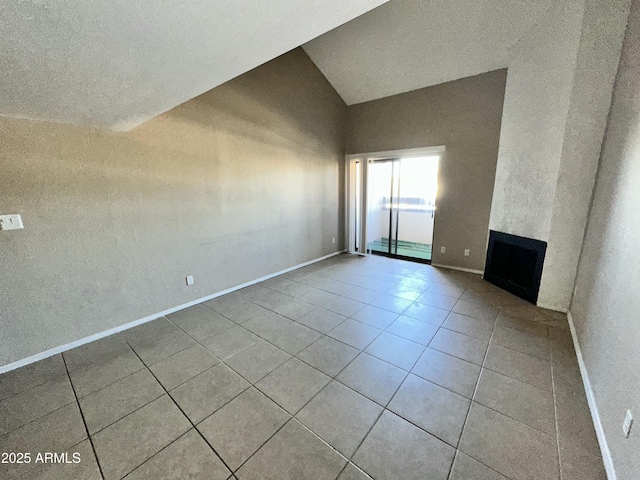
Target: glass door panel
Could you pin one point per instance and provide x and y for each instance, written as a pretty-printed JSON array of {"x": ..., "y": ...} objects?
[
  {"x": 380, "y": 215},
  {"x": 401, "y": 206},
  {"x": 416, "y": 206}
]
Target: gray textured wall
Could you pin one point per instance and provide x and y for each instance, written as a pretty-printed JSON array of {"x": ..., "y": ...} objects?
[
  {"x": 606, "y": 305},
  {"x": 240, "y": 182},
  {"x": 465, "y": 116}
]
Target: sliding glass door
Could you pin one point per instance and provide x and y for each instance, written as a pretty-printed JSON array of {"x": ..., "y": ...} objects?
[{"x": 401, "y": 196}]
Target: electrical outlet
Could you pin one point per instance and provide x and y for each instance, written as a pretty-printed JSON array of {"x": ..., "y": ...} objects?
[
  {"x": 190, "y": 280},
  {"x": 626, "y": 425},
  {"x": 466, "y": 252},
  {"x": 333, "y": 240},
  {"x": 11, "y": 222},
  {"x": 443, "y": 249}
]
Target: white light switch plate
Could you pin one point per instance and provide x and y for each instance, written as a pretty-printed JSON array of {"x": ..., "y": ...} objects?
[
  {"x": 190, "y": 280},
  {"x": 11, "y": 222}
]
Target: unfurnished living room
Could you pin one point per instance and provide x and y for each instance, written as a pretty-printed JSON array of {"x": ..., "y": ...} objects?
[{"x": 374, "y": 239}]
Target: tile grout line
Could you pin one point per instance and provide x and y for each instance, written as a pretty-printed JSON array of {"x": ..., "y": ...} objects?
[
  {"x": 86, "y": 428},
  {"x": 475, "y": 390},
  {"x": 193, "y": 425},
  {"x": 555, "y": 415}
]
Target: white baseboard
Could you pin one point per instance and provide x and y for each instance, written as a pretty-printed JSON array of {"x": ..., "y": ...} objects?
[
  {"x": 148, "y": 318},
  {"x": 553, "y": 307},
  {"x": 591, "y": 399},
  {"x": 460, "y": 269}
]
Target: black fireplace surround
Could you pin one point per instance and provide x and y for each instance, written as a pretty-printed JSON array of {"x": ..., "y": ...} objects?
[{"x": 515, "y": 264}]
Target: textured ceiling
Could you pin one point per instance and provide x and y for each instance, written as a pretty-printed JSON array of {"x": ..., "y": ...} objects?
[
  {"x": 117, "y": 63},
  {"x": 409, "y": 44}
]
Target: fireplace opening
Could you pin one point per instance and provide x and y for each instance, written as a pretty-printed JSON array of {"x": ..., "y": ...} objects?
[{"x": 515, "y": 263}]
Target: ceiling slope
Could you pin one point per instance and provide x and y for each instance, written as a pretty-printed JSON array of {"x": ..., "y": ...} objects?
[
  {"x": 118, "y": 63},
  {"x": 409, "y": 44}
]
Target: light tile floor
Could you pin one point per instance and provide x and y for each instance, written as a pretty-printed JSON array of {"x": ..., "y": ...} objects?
[{"x": 348, "y": 368}]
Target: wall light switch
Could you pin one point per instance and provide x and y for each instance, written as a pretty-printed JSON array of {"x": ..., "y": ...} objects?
[
  {"x": 466, "y": 252},
  {"x": 333, "y": 240},
  {"x": 190, "y": 280},
  {"x": 443, "y": 249},
  {"x": 11, "y": 222}
]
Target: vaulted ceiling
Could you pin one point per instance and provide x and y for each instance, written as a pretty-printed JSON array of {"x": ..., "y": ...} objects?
[
  {"x": 409, "y": 44},
  {"x": 117, "y": 63}
]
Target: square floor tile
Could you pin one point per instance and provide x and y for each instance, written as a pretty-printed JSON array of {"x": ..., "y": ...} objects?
[
  {"x": 200, "y": 322},
  {"x": 437, "y": 300},
  {"x": 360, "y": 294},
  {"x": 521, "y": 401},
  {"x": 435, "y": 409},
  {"x": 21, "y": 379},
  {"x": 266, "y": 324},
  {"x": 446, "y": 289},
  {"x": 130, "y": 441},
  {"x": 265, "y": 297},
  {"x": 293, "y": 384},
  {"x": 154, "y": 348},
  {"x": 294, "y": 308},
  {"x": 328, "y": 355},
  {"x": 94, "y": 376},
  {"x": 467, "y": 468},
  {"x": 154, "y": 328},
  {"x": 509, "y": 447},
  {"x": 205, "y": 393},
  {"x": 376, "y": 284},
  {"x": 321, "y": 320},
  {"x": 522, "y": 342},
  {"x": 374, "y": 316},
  {"x": 391, "y": 303},
  {"x": 462, "y": 346},
  {"x": 316, "y": 297},
  {"x": 230, "y": 342},
  {"x": 523, "y": 367},
  {"x": 575, "y": 426},
  {"x": 395, "y": 350},
  {"x": 242, "y": 426},
  {"x": 351, "y": 472},
  {"x": 235, "y": 308},
  {"x": 35, "y": 402},
  {"x": 373, "y": 378},
  {"x": 182, "y": 366},
  {"x": 577, "y": 464},
  {"x": 188, "y": 457},
  {"x": 95, "y": 352},
  {"x": 294, "y": 338},
  {"x": 412, "y": 329},
  {"x": 343, "y": 306},
  {"x": 340, "y": 416},
  {"x": 426, "y": 313},
  {"x": 396, "y": 449},
  {"x": 449, "y": 372},
  {"x": 354, "y": 333},
  {"x": 326, "y": 284},
  {"x": 482, "y": 311},
  {"x": 523, "y": 325},
  {"x": 293, "y": 453},
  {"x": 258, "y": 360},
  {"x": 53, "y": 432},
  {"x": 406, "y": 292},
  {"x": 473, "y": 327},
  {"x": 111, "y": 403}
]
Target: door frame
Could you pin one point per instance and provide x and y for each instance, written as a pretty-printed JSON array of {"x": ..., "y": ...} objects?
[{"x": 350, "y": 189}]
